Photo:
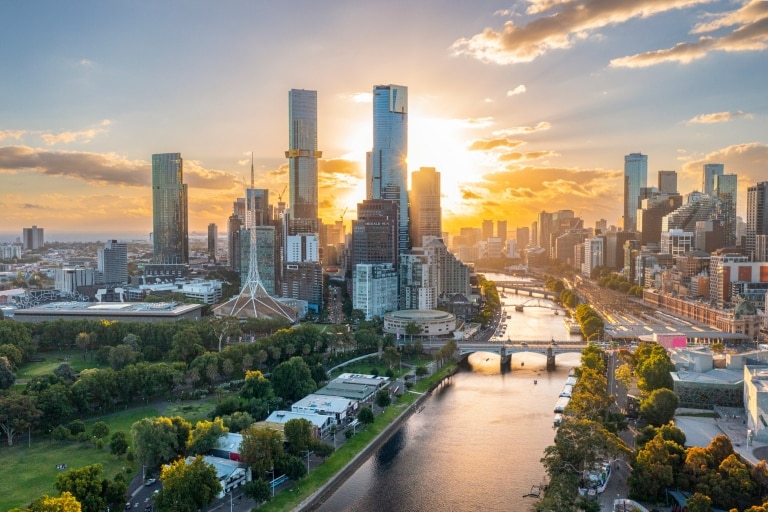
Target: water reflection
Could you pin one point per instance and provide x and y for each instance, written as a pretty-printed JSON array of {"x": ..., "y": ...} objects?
[{"x": 385, "y": 455}]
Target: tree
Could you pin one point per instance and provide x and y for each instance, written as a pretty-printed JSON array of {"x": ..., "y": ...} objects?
[
  {"x": 653, "y": 368},
  {"x": 382, "y": 397},
  {"x": 391, "y": 356},
  {"x": 187, "y": 487},
  {"x": 13, "y": 354},
  {"x": 18, "y": 413},
  {"x": 298, "y": 433},
  {"x": 365, "y": 415},
  {"x": 699, "y": 503},
  {"x": 421, "y": 370},
  {"x": 100, "y": 430},
  {"x": 293, "y": 467},
  {"x": 7, "y": 377},
  {"x": 653, "y": 470},
  {"x": 257, "y": 490},
  {"x": 159, "y": 440},
  {"x": 118, "y": 443},
  {"x": 256, "y": 386},
  {"x": 292, "y": 379},
  {"x": 121, "y": 356},
  {"x": 623, "y": 375},
  {"x": 412, "y": 328},
  {"x": 205, "y": 436},
  {"x": 83, "y": 341},
  {"x": 87, "y": 486},
  {"x": 64, "y": 503},
  {"x": 225, "y": 327},
  {"x": 659, "y": 408},
  {"x": 260, "y": 448},
  {"x": 186, "y": 346},
  {"x": 323, "y": 449}
]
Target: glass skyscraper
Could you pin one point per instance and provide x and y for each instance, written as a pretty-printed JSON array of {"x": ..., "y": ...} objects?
[
  {"x": 169, "y": 210},
  {"x": 724, "y": 188},
  {"x": 302, "y": 157},
  {"x": 635, "y": 178},
  {"x": 386, "y": 167},
  {"x": 708, "y": 177}
]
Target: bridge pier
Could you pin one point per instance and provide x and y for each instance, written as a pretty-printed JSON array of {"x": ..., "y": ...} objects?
[
  {"x": 550, "y": 359},
  {"x": 505, "y": 360}
]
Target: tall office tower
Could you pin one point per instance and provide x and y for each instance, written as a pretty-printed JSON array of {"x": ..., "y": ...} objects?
[
  {"x": 534, "y": 240},
  {"x": 302, "y": 158},
  {"x": 601, "y": 226},
  {"x": 239, "y": 209},
  {"x": 545, "y": 227},
  {"x": 487, "y": 229},
  {"x": 708, "y": 177},
  {"x": 635, "y": 178},
  {"x": 234, "y": 242},
  {"x": 501, "y": 231},
  {"x": 387, "y": 174},
  {"x": 257, "y": 207},
  {"x": 169, "y": 210},
  {"x": 213, "y": 238},
  {"x": 32, "y": 238},
  {"x": 374, "y": 233},
  {"x": 725, "y": 188},
  {"x": 668, "y": 182},
  {"x": 113, "y": 262},
  {"x": 523, "y": 238},
  {"x": 424, "y": 198},
  {"x": 650, "y": 216},
  {"x": 757, "y": 219}
]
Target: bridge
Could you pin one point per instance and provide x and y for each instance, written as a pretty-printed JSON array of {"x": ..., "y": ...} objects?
[
  {"x": 536, "y": 302},
  {"x": 531, "y": 291},
  {"x": 535, "y": 346}
]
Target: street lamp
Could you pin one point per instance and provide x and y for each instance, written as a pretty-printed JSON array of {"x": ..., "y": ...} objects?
[{"x": 271, "y": 471}]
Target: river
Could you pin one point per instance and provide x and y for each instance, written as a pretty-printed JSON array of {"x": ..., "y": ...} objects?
[{"x": 478, "y": 441}]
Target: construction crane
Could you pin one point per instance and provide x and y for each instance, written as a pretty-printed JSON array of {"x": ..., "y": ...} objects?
[
  {"x": 341, "y": 218},
  {"x": 280, "y": 195}
]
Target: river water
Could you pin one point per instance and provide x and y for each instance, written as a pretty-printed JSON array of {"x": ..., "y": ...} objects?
[{"x": 478, "y": 441}]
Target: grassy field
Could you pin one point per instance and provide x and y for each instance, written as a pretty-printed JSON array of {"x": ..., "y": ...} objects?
[
  {"x": 51, "y": 361},
  {"x": 191, "y": 411},
  {"x": 29, "y": 472}
]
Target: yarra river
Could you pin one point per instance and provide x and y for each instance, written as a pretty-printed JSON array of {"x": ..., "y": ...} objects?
[{"x": 478, "y": 441}]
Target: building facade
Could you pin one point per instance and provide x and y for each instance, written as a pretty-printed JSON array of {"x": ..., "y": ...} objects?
[
  {"x": 375, "y": 289},
  {"x": 113, "y": 262},
  {"x": 386, "y": 166},
  {"x": 32, "y": 238},
  {"x": 302, "y": 158},
  {"x": 170, "y": 233},
  {"x": 425, "y": 211},
  {"x": 635, "y": 178},
  {"x": 757, "y": 221}
]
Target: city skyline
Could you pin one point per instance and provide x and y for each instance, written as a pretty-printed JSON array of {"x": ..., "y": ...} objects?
[{"x": 519, "y": 110}]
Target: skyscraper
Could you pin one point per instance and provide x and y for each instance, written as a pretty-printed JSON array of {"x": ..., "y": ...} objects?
[
  {"x": 386, "y": 170},
  {"x": 635, "y": 178},
  {"x": 708, "y": 177},
  {"x": 213, "y": 236},
  {"x": 113, "y": 262},
  {"x": 724, "y": 188},
  {"x": 426, "y": 212},
  {"x": 302, "y": 158},
  {"x": 757, "y": 219},
  {"x": 668, "y": 182},
  {"x": 32, "y": 238},
  {"x": 487, "y": 229},
  {"x": 169, "y": 210}
]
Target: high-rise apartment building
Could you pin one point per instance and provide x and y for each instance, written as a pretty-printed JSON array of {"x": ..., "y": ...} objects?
[
  {"x": 374, "y": 233},
  {"x": 234, "y": 242},
  {"x": 724, "y": 188},
  {"x": 708, "y": 177},
  {"x": 668, "y": 182},
  {"x": 375, "y": 289},
  {"x": 425, "y": 210},
  {"x": 257, "y": 207},
  {"x": 523, "y": 237},
  {"x": 169, "y": 210},
  {"x": 302, "y": 158},
  {"x": 635, "y": 178},
  {"x": 501, "y": 231},
  {"x": 386, "y": 166},
  {"x": 757, "y": 220},
  {"x": 213, "y": 239},
  {"x": 32, "y": 238},
  {"x": 113, "y": 262},
  {"x": 487, "y": 229}
]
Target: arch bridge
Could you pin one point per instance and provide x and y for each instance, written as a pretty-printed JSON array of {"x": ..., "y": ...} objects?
[
  {"x": 538, "y": 303},
  {"x": 548, "y": 348},
  {"x": 529, "y": 290}
]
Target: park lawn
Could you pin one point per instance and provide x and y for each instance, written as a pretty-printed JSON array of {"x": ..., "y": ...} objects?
[
  {"x": 52, "y": 360},
  {"x": 29, "y": 472},
  {"x": 123, "y": 421},
  {"x": 191, "y": 411}
]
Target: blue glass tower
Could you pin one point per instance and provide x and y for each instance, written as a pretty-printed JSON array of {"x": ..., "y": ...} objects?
[
  {"x": 635, "y": 178},
  {"x": 169, "y": 210},
  {"x": 387, "y": 167}
]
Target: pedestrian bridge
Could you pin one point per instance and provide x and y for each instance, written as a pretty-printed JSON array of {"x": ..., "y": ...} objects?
[
  {"x": 511, "y": 286},
  {"x": 534, "y": 346}
]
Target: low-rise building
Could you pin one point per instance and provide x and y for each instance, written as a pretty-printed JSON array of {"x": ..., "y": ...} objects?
[
  {"x": 321, "y": 423},
  {"x": 340, "y": 409}
]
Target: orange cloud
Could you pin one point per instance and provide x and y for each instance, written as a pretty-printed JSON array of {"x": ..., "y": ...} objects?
[
  {"x": 488, "y": 144},
  {"x": 718, "y": 117},
  {"x": 562, "y": 23},
  {"x": 529, "y": 155}
]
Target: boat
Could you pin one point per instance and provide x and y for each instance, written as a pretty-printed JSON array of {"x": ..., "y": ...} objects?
[
  {"x": 561, "y": 404},
  {"x": 595, "y": 480},
  {"x": 518, "y": 307},
  {"x": 567, "y": 391},
  {"x": 556, "y": 312},
  {"x": 558, "y": 420}
]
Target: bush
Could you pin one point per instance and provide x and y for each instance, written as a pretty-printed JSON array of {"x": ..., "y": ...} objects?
[
  {"x": 61, "y": 433},
  {"x": 76, "y": 427}
]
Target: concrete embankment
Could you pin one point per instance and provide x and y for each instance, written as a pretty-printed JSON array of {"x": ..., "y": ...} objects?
[{"x": 319, "y": 496}]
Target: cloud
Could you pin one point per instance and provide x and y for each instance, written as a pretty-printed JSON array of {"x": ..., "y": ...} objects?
[
  {"x": 67, "y": 137},
  {"x": 358, "y": 97},
  {"x": 198, "y": 177},
  {"x": 517, "y": 130},
  {"x": 749, "y": 33},
  {"x": 12, "y": 134},
  {"x": 98, "y": 168},
  {"x": 561, "y": 24},
  {"x": 337, "y": 175},
  {"x": 718, "y": 117},
  {"x": 468, "y": 194},
  {"x": 30, "y": 206},
  {"x": 488, "y": 144},
  {"x": 86, "y": 62},
  {"x": 529, "y": 155},
  {"x": 520, "y": 89},
  {"x": 749, "y": 161}
]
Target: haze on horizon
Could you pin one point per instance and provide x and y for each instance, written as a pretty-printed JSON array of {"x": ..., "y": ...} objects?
[{"x": 522, "y": 106}]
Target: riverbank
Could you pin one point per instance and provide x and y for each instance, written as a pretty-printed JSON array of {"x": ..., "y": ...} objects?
[{"x": 310, "y": 492}]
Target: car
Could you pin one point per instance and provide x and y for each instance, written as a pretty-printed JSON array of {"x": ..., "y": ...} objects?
[
  {"x": 523, "y": 344},
  {"x": 150, "y": 481},
  {"x": 128, "y": 506}
]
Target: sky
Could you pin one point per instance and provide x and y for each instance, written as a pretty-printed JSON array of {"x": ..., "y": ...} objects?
[{"x": 522, "y": 106}]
